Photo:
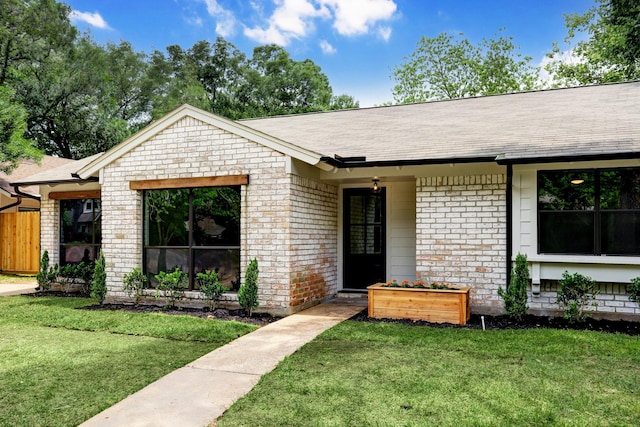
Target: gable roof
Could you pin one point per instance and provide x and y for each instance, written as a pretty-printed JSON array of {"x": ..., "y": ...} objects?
[
  {"x": 307, "y": 155},
  {"x": 63, "y": 174},
  {"x": 27, "y": 168},
  {"x": 577, "y": 122}
]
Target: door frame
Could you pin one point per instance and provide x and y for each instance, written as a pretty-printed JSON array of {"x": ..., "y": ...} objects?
[{"x": 341, "y": 230}]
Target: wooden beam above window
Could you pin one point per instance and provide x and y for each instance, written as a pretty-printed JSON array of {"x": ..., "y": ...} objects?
[
  {"x": 75, "y": 195},
  {"x": 207, "y": 181}
]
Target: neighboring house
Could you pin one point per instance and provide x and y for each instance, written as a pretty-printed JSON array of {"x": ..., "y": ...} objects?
[
  {"x": 20, "y": 218},
  {"x": 334, "y": 201}
]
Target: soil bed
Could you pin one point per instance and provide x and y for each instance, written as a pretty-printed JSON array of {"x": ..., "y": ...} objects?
[
  {"x": 528, "y": 322},
  {"x": 239, "y": 315}
]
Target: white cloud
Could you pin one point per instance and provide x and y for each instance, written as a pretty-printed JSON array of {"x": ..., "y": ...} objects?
[
  {"x": 384, "y": 33},
  {"x": 295, "y": 19},
  {"x": 567, "y": 56},
  {"x": 225, "y": 20},
  {"x": 355, "y": 17},
  {"x": 291, "y": 19},
  {"x": 93, "y": 19},
  {"x": 327, "y": 48}
]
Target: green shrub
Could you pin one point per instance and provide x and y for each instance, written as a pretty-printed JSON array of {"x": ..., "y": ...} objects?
[
  {"x": 515, "y": 297},
  {"x": 134, "y": 284},
  {"x": 47, "y": 274},
  {"x": 211, "y": 287},
  {"x": 171, "y": 286},
  {"x": 248, "y": 292},
  {"x": 99, "y": 280},
  {"x": 68, "y": 274},
  {"x": 575, "y": 294},
  {"x": 634, "y": 290}
]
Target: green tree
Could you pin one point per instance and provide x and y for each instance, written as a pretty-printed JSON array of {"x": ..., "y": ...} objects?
[
  {"x": 448, "y": 67},
  {"x": 248, "y": 292},
  {"x": 13, "y": 145},
  {"x": 31, "y": 31},
  {"x": 610, "y": 54},
  {"x": 515, "y": 297}
]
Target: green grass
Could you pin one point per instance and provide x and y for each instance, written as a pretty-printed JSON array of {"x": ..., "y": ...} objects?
[
  {"x": 375, "y": 374},
  {"x": 60, "y": 365}
]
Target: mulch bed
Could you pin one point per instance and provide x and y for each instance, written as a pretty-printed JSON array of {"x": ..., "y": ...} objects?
[
  {"x": 490, "y": 322},
  {"x": 528, "y": 322}
]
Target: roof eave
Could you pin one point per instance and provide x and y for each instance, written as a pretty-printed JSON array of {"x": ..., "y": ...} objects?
[{"x": 503, "y": 160}]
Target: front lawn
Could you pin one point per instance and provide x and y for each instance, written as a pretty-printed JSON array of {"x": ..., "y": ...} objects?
[
  {"x": 60, "y": 365},
  {"x": 383, "y": 374}
]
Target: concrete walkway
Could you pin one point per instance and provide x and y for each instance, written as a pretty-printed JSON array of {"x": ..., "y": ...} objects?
[
  {"x": 7, "y": 289},
  {"x": 200, "y": 392}
]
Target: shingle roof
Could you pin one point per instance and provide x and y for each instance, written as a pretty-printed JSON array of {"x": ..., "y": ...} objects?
[
  {"x": 27, "y": 168},
  {"x": 60, "y": 174},
  {"x": 583, "y": 121}
]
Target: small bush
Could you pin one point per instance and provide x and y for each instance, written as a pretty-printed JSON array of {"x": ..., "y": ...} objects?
[
  {"x": 99, "y": 280},
  {"x": 211, "y": 287},
  {"x": 634, "y": 290},
  {"x": 47, "y": 274},
  {"x": 515, "y": 297},
  {"x": 248, "y": 292},
  {"x": 171, "y": 286},
  {"x": 134, "y": 284},
  {"x": 68, "y": 274},
  {"x": 576, "y": 293}
]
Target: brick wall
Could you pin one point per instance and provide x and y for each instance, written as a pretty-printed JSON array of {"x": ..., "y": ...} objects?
[
  {"x": 613, "y": 301},
  {"x": 50, "y": 229},
  {"x": 313, "y": 245},
  {"x": 191, "y": 148},
  {"x": 461, "y": 234}
]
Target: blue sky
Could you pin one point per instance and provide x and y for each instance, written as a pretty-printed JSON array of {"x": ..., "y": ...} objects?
[{"x": 357, "y": 43}]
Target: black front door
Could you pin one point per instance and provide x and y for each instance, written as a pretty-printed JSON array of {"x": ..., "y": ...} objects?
[{"x": 364, "y": 238}]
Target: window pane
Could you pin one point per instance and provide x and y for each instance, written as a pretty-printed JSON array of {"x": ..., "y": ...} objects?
[
  {"x": 77, "y": 225},
  {"x": 158, "y": 260},
  {"x": 621, "y": 233},
  {"x": 620, "y": 189},
  {"x": 356, "y": 209},
  {"x": 225, "y": 261},
  {"x": 75, "y": 254},
  {"x": 357, "y": 239},
  {"x": 167, "y": 217},
  {"x": 566, "y": 232},
  {"x": 566, "y": 190},
  {"x": 217, "y": 216}
]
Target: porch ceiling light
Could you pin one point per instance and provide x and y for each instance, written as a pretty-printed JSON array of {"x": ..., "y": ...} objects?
[
  {"x": 577, "y": 181},
  {"x": 375, "y": 185}
]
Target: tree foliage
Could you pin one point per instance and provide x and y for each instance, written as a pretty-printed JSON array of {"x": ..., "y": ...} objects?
[
  {"x": 610, "y": 54},
  {"x": 448, "y": 67},
  {"x": 82, "y": 98}
]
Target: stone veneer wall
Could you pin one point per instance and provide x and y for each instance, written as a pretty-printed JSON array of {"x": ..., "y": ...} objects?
[
  {"x": 461, "y": 234},
  {"x": 314, "y": 241},
  {"x": 191, "y": 148}
]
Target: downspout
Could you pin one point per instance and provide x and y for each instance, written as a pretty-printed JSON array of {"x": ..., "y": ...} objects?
[
  {"x": 19, "y": 192},
  {"x": 509, "y": 221},
  {"x": 12, "y": 204}
]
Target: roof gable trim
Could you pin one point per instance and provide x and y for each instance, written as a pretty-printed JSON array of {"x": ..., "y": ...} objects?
[{"x": 186, "y": 110}]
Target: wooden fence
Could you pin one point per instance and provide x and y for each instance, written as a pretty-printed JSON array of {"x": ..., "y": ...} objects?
[{"x": 20, "y": 242}]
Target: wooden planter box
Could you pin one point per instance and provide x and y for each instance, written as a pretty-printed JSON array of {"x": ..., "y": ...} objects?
[{"x": 432, "y": 305}]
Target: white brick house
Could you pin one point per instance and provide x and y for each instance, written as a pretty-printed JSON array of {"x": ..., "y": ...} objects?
[{"x": 465, "y": 186}]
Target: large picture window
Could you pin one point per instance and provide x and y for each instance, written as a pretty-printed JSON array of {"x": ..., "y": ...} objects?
[
  {"x": 195, "y": 230},
  {"x": 589, "y": 212},
  {"x": 81, "y": 230}
]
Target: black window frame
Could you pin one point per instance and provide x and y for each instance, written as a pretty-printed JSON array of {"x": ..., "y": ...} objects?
[
  {"x": 597, "y": 211},
  {"x": 95, "y": 244},
  {"x": 191, "y": 248}
]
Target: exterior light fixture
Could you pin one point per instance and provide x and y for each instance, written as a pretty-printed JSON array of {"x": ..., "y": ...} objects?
[
  {"x": 375, "y": 185},
  {"x": 577, "y": 181}
]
